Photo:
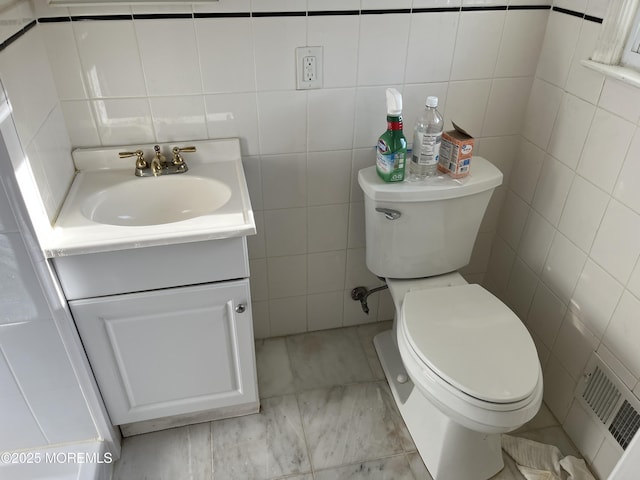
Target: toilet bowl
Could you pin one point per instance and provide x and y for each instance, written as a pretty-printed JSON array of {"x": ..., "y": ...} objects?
[
  {"x": 467, "y": 352},
  {"x": 463, "y": 370}
]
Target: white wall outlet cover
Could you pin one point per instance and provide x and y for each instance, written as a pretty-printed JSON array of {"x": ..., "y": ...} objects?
[{"x": 308, "y": 68}]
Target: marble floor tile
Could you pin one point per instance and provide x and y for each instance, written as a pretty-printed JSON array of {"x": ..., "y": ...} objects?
[
  {"x": 509, "y": 472},
  {"x": 350, "y": 424},
  {"x": 365, "y": 334},
  {"x": 544, "y": 418},
  {"x": 553, "y": 436},
  {"x": 308, "y": 476},
  {"x": 417, "y": 466},
  {"x": 176, "y": 454},
  {"x": 274, "y": 369},
  {"x": 263, "y": 446},
  {"x": 327, "y": 358},
  {"x": 325, "y": 405},
  {"x": 390, "y": 468}
]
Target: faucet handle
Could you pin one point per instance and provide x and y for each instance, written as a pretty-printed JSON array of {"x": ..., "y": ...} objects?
[
  {"x": 177, "y": 158},
  {"x": 140, "y": 161}
]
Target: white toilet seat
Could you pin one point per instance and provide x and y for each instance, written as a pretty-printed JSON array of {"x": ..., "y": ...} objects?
[{"x": 438, "y": 340}]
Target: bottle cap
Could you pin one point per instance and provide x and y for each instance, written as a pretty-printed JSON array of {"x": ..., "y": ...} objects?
[
  {"x": 394, "y": 102},
  {"x": 432, "y": 102}
]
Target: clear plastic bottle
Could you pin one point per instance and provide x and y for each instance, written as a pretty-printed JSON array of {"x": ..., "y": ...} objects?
[{"x": 427, "y": 137}]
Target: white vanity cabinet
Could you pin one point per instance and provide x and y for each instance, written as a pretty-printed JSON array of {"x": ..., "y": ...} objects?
[
  {"x": 167, "y": 329},
  {"x": 170, "y": 352}
]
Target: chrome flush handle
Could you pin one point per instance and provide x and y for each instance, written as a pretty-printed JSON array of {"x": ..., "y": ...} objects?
[{"x": 389, "y": 213}]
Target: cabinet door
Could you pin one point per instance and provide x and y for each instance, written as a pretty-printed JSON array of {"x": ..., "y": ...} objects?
[{"x": 170, "y": 352}]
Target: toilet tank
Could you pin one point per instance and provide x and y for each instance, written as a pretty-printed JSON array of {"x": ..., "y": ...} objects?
[{"x": 426, "y": 228}]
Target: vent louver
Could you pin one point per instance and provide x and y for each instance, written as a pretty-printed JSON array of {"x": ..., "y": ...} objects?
[
  {"x": 609, "y": 401},
  {"x": 625, "y": 424},
  {"x": 601, "y": 395}
]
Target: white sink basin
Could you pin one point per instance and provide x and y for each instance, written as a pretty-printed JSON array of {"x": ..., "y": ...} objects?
[
  {"x": 156, "y": 200},
  {"x": 108, "y": 208}
]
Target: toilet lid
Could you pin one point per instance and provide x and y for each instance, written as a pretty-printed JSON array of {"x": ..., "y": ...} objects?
[{"x": 471, "y": 340}]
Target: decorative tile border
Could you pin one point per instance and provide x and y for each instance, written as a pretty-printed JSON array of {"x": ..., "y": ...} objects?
[
  {"x": 573, "y": 13},
  {"x": 17, "y": 35},
  {"x": 318, "y": 13}
]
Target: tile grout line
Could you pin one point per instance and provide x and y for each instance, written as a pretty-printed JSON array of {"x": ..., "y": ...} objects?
[{"x": 296, "y": 395}]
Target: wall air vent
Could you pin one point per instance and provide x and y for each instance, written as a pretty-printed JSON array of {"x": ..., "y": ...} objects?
[
  {"x": 611, "y": 404},
  {"x": 625, "y": 424}
]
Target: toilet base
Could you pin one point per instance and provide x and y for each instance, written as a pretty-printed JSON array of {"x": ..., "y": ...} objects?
[{"x": 449, "y": 450}]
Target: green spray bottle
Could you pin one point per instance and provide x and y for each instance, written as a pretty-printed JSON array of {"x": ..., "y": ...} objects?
[{"x": 392, "y": 145}]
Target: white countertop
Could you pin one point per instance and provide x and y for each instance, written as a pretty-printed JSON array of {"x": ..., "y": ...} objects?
[{"x": 75, "y": 234}]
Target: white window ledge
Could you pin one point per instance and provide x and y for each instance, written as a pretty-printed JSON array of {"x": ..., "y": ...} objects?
[{"x": 624, "y": 74}]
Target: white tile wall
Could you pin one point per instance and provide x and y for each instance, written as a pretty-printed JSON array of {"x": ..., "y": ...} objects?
[
  {"x": 571, "y": 129},
  {"x": 123, "y": 121},
  {"x": 374, "y": 48},
  {"x": 324, "y": 310},
  {"x": 583, "y": 82},
  {"x": 558, "y": 47},
  {"x": 522, "y": 287},
  {"x": 512, "y": 220},
  {"x": 29, "y": 84},
  {"x": 583, "y": 212},
  {"x": 431, "y": 29},
  {"x": 230, "y": 115},
  {"x": 275, "y": 40},
  {"x": 595, "y": 298},
  {"x": 617, "y": 244},
  {"x": 304, "y": 148},
  {"x": 625, "y": 191},
  {"x": 331, "y": 115},
  {"x": 169, "y": 58},
  {"x": 576, "y": 172},
  {"x": 328, "y": 177},
  {"x": 526, "y": 170},
  {"x": 536, "y": 241},
  {"x": 600, "y": 161},
  {"x": 216, "y": 62},
  {"x": 552, "y": 189},
  {"x": 477, "y": 45},
  {"x": 467, "y": 104},
  {"x": 181, "y": 118},
  {"x": 105, "y": 72},
  {"x": 622, "y": 332},
  {"x": 542, "y": 109},
  {"x": 506, "y": 106},
  {"x": 521, "y": 42},
  {"x": 563, "y": 266},
  {"x": 20, "y": 295},
  {"x": 40, "y": 398}
]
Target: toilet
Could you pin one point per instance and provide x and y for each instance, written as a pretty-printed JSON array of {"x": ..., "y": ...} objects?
[{"x": 462, "y": 367}]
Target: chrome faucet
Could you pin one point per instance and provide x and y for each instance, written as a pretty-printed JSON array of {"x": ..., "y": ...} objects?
[{"x": 159, "y": 165}]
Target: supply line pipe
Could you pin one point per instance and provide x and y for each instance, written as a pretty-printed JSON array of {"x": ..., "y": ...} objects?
[{"x": 362, "y": 293}]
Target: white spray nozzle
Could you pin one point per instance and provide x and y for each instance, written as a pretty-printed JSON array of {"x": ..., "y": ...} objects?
[{"x": 394, "y": 102}]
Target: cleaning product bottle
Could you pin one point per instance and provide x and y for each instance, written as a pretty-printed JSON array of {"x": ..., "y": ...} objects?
[
  {"x": 427, "y": 136},
  {"x": 392, "y": 146}
]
